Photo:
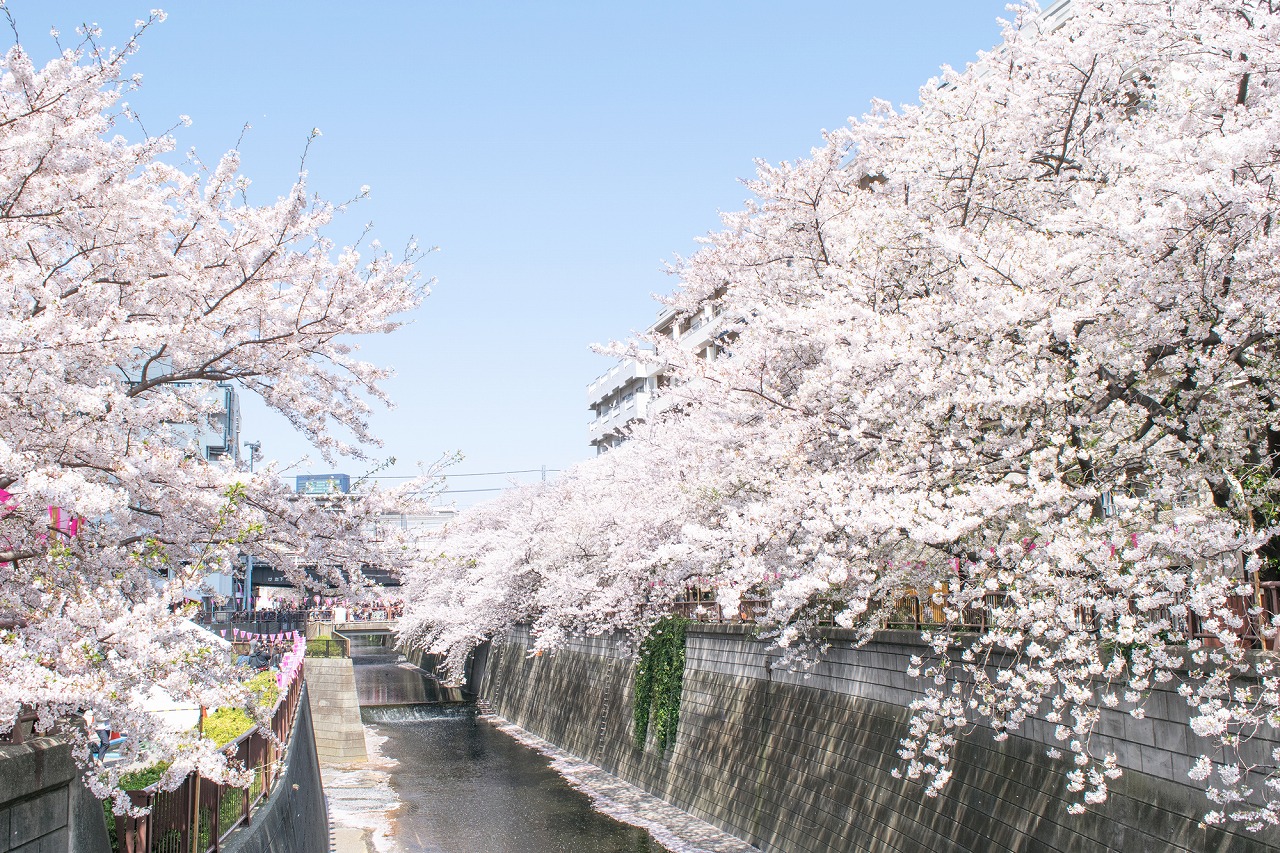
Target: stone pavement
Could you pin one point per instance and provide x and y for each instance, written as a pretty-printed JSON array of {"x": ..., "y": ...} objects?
[{"x": 674, "y": 829}]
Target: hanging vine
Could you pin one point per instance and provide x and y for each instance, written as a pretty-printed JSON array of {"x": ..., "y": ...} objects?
[{"x": 659, "y": 678}]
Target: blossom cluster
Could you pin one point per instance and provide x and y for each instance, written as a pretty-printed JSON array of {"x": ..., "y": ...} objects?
[
  {"x": 1011, "y": 350},
  {"x": 131, "y": 283}
]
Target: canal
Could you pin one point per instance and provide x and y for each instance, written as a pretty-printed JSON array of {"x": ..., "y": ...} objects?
[{"x": 464, "y": 786}]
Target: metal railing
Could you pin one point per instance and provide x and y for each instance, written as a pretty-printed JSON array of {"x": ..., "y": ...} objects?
[
  {"x": 198, "y": 815},
  {"x": 23, "y": 727},
  {"x": 699, "y": 605},
  {"x": 334, "y": 646},
  {"x": 225, "y": 617},
  {"x": 919, "y": 611}
]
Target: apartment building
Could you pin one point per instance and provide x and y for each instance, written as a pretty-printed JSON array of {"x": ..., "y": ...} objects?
[{"x": 629, "y": 392}]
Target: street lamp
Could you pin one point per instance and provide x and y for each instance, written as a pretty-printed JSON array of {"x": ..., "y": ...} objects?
[{"x": 254, "y": 448}]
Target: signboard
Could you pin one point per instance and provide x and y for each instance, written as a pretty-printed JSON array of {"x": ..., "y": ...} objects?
[{"x": 323, "y": 484}]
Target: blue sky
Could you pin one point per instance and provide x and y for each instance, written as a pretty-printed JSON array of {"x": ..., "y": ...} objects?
[{"x": 556, "y": 152}]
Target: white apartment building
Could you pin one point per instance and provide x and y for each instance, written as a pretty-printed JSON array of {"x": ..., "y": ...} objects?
[{"x": 629, "y": 391}]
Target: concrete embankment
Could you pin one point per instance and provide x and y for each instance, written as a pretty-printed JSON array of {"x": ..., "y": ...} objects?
[
  {"x": 294, "y": 818},
  {"x": 44, "y": 804},
  {"x": 803, "y": 764},
  {"x": 331, "y": 687}
]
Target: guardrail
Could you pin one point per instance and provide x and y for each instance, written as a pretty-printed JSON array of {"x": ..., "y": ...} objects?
[
  {"x": 367, "y": 625},
  {"x": 23, "y": 727},
  {"x": 699, "y": 605},
  {"x": 260, "y": 620},
  {"x": 916, "y": 611},
  {"x": 198, "y": 815},
  {"x": 334, "y": 646},
  {"x": 226, "y": 617},
  {"x": 913, "y": 610}
]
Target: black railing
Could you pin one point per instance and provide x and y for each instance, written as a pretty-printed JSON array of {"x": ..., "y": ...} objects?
[
  {"x": 238, "y": 618},
  {"x": 336, "y": 646}
]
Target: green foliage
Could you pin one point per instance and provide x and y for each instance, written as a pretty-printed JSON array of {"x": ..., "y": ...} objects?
[
  {"x": 146, "y": 777},
  {"x": 110, "y": 816},
  {"x": 265, "y": 690},
  {"x": 324, "y": 647},
  {"x": 230, "y": 807},
  {"x": 1260, "y": 491},
  {"x": 659, "y": 679},
  {"x": 226, "y": 724}
]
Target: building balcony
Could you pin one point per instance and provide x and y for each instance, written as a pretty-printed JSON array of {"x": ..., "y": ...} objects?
[
  {"x": 617, "y": 377},
  {"x": 619, "y": 416}
]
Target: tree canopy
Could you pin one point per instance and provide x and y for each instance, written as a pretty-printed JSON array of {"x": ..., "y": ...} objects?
[
  {"x": 131, "y": 281},
  {"x": 1014, "y": 345}
]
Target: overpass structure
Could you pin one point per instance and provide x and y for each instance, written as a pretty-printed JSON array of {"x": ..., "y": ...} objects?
[{"x": 387, "y": 626}]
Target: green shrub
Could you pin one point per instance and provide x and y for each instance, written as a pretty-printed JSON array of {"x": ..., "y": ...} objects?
[
  {"x": 110, "y": 817},
  {"x": 264, "y": 689},
  {"x": 324, "y": 647},
  {"x": 226, "y": 724},
  {"x": 136, "y": 780}
]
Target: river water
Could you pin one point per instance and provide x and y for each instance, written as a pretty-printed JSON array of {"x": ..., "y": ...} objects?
[{"x": 465, "y": 787}]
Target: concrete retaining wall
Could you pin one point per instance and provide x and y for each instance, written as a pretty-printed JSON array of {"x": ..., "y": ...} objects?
[
  {"x": 294, "y": 819},
  {"x": 44, "y": 805},
  {"x": 331, "y": 687},
  {"x": 803, "y": 764}
]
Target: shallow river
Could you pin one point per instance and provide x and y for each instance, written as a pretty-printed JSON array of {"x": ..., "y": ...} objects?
[{"x": 465, "y": 787}]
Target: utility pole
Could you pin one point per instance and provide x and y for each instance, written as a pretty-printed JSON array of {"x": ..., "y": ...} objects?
[{"x": 254, "y": 448}]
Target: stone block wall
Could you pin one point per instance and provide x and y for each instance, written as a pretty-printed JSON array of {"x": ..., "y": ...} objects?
[
  {"x": 796, "y": 763},
  {"x": 335, "y": 710},
  {"x": 44, "y": 805}
]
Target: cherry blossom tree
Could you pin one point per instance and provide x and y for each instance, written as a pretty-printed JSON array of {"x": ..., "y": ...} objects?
[
  {"x": 1012, "y": 350},
  {"x": 131, "y": 283}
]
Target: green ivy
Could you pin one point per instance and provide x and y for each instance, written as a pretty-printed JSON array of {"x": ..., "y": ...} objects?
[{"x": 659, "y": 678}]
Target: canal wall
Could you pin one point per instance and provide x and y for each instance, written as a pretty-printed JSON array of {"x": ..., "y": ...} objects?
[
  {"x": 331, "y": 693},
  {"x": 294, "y": 818},
  {"x": 801, "y": 763},
  {"x": 44, "y": 804}
]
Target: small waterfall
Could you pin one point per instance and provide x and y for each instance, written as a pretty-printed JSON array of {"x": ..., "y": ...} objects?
[
  {"x": 385, "y": 677},
  {"x": 416, "y": 713}
]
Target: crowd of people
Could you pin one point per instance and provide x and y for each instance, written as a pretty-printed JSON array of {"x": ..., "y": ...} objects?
[
  {"x": 268, "y": 614},
  {"x": 383, "y": 611},
  {"x": 325, "y": 610},
  {"x": 264, "y": 654}
]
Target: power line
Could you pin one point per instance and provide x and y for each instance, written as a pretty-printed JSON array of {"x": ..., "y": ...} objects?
[{"x": 477, "y": 474}]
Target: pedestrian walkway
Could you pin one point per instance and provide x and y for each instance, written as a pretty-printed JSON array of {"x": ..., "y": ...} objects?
[{"x": 674, "y": 829}]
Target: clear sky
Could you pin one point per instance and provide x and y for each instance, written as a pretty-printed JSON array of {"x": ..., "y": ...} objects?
[{"x": 557, "y": 153}]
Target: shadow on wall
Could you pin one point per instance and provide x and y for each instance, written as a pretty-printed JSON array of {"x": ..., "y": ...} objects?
[
  {"x": 295, "y": 816},
  {"x": 44, "y": 804},
  {"x": 803, "y": 765}
]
